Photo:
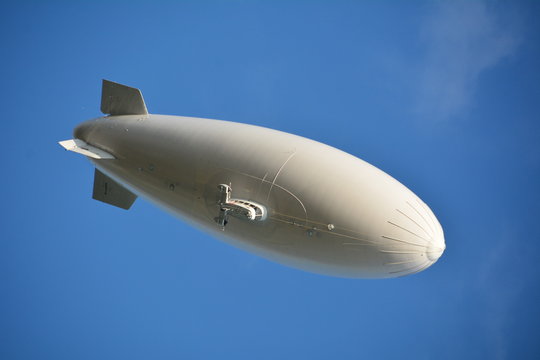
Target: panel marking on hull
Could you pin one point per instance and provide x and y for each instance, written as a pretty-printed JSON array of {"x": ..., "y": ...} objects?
[
  {"x": 335, "y": 230},
  {"x": 427, "y": 223},
  {"x": 263, "y": 180},
  {"x": 260, "y": 185},
  {"x": 400, "y": 262},
  {"x": 362, "y": 242},
  {"x": 430, "y": 214},
  {"x": 412, "y": 270},
  {"x": 403, "y": 241},
  {"x": 324, "y": 225},
  {"x": 420, "y": 226},
  {"x": 409, "y": 231},
  {"x": 400, "y": 252},
  {"x": 277, "y": 174}
]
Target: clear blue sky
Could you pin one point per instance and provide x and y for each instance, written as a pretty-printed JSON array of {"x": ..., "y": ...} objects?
[{"x": 444, "y": 96}]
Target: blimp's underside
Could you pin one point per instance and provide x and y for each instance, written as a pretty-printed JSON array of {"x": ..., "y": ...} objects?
[{"x": 284, "y": 197}]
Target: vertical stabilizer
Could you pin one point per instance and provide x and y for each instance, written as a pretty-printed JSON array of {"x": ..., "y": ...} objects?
[
  {"x": 118, "y": 99},
  {"x": 111, "y": 192}
]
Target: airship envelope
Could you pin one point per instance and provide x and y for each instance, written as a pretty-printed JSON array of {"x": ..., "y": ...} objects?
[{"x": 286, "y": 198}]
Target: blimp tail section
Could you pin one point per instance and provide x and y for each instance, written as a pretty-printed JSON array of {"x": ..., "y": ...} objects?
[
  {"x": 105, "y": 189},
  {"x": 118, "y": 99},
  {"x": 109, "y": 191}
]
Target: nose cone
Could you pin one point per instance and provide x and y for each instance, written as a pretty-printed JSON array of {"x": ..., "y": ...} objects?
[
  {"x": 415, "y": 239},
  {"x": 436, "y": 245},
  {"x": 436, "y": 248}
]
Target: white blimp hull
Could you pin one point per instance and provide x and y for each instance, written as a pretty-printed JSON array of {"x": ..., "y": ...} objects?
[{"x": 284, "y": 197}]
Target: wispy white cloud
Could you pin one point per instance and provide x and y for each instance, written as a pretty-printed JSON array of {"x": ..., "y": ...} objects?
[{"x": 463, "y": 39}]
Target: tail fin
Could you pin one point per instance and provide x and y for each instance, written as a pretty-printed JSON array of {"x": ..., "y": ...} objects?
[
  {"x": 111, "y": 192},
  {"x": 118, "y": 99},
  {"x": 81, "y": 147}
]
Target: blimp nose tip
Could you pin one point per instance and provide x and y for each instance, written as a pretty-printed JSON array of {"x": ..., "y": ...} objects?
[
  {"x": 414, "y": 239},
  {"x": 434, "y": 251},
  {"x": 437, "y": 245}
]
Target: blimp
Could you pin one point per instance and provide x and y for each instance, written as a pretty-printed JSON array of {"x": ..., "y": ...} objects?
[{"x": 286, "y": 198}]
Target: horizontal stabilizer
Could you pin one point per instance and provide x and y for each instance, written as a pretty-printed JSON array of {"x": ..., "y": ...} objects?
[
  {"x": 81, "y": 147},
  {"x": 111, "y": 192},
  {"x": 118, "y": 99}
]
